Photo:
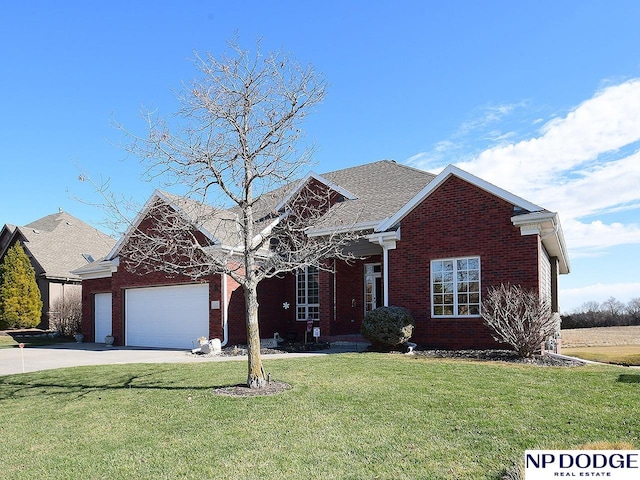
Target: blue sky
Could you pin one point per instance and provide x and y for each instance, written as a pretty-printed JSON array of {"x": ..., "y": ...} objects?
[{"x": 542, "y": 98}]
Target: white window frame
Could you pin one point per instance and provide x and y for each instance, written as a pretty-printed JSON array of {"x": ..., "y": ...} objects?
[
  {"x": 463, "y": 282},
  {"x": 372, "y": 271},
  {"x": 305, "y": 309}
]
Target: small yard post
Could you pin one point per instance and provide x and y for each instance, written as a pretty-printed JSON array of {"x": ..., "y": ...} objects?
[{"x": 22, "y": 355}]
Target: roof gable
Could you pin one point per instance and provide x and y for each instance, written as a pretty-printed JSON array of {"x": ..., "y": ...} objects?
[
  {"x": 531, "y": 219},
  {"x": 219, "y": 227},
  {"x": 377, "y": 197},
  {"x": 6, "y": 235},
  {"x": 320, "y": 179},
  {"x": 449, "y": 171},
  {"x": 381, "y": 188}
]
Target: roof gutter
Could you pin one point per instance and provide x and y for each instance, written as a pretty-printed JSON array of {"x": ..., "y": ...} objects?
[
  {"x": 358, "y": 227},
  {"x": 100, "y": 269},
  {"x": 547, "y": 225}
]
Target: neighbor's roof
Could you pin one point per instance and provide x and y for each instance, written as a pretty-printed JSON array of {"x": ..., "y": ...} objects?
[{"x": 60, "y": 243}]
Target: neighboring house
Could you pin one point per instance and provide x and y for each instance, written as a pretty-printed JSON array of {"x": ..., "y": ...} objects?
[
  {"x": 56, "y": 245},
  {"x": 433, "y": 244}
]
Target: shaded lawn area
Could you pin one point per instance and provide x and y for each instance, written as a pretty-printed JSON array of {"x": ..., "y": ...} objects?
[
  {"x": 14, "y": 340},
  {"x": 7, "y": 341},
  {"x": 347, "y": 416}
]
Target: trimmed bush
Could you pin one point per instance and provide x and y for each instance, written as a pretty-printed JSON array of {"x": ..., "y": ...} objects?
[{"x": 388, "y": 327}]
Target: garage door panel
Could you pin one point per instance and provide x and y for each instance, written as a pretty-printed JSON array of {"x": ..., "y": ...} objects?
[{"x": 170, "y": 317}]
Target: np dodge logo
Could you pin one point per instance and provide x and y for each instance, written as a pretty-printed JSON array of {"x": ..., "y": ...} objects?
[{"x": 554, "y": 464}]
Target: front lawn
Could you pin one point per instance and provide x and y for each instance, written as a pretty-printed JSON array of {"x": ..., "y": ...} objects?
[{"x": 347, "y": 416}]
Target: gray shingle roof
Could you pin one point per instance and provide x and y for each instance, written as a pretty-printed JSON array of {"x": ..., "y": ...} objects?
[
  {"x": 382, "y": 189},
  {"x": 219, "y": 223},
  {"x": 58, "y": 243}
]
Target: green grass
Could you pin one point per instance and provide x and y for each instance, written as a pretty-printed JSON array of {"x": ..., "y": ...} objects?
[
  {"x": 617, "y": 354},
  {"x": 351, "y": 416}
]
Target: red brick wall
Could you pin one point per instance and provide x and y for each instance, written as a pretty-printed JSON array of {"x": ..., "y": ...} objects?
[
  {"x": 89, "y": 288},
  {"x": 122, "y": 280},
  {"x": 272, "y": 293},
  {"x": 458, "y": 220},
  {"x": 350, "y": 297}
]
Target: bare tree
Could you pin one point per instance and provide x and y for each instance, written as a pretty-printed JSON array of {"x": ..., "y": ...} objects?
[
  {"x": 519, "y": 318},
  {"x": 66, "y": 312},
  {"x": 633, "y": 310},
  {"x": 612, "y": 307},
  {"x": 234, "y": 149}
]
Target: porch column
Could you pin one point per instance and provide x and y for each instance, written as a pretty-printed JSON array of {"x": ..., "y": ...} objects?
[
  {"x": 385, "y": 273},
  {"x": 387, "y": 240}
]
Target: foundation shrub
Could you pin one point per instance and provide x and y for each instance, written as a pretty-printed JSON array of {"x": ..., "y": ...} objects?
[{"x": 388, "y": 327}]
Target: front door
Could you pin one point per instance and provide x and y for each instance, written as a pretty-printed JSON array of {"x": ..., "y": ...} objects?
[{"x": 373, "y": 294}]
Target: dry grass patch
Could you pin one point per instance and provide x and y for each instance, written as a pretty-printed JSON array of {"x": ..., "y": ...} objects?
[
  {"x": 617, "y": 354},
  {"x": 618, "y": 345}
]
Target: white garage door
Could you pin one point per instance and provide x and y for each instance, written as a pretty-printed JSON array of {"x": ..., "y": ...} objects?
[
  {"x": 170, "y": 317},
  {"x": 102, "y": 316}
]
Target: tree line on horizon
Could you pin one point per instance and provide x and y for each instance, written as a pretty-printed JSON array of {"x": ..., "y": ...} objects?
[{"x": 610, "y": 313}]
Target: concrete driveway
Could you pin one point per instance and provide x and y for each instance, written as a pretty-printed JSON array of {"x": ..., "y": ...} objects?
[{"x": 76, "y": 354}]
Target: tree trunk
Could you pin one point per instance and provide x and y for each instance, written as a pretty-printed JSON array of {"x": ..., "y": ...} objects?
[{"x": 256, "y": 377}]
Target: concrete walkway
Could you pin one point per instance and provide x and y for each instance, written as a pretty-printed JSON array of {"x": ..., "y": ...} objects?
[{"x": 76, "y": 354}]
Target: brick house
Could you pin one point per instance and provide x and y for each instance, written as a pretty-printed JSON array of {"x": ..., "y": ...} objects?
[
  {"x": 431, "y": 243},
  {"x": 56, "y": 245}
]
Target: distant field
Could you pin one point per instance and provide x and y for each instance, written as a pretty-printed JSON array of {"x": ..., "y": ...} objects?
[{"x": 619, "y": 345}]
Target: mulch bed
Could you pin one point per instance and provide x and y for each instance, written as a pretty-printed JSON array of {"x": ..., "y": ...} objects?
[
  {"x": 240, "y": 390},
  {"x": 509, "y": 356},
  {"x": 545, "y": 360}
]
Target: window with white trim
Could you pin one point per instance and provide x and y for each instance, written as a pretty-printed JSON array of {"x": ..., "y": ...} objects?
[
  {"x": 308, "y": 294},
  {"x": 455, "y": 287}
]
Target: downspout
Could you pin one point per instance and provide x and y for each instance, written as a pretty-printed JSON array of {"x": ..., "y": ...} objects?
[
  {"x": 225, "y": 312},
  {"x": 335, "y": 292}
]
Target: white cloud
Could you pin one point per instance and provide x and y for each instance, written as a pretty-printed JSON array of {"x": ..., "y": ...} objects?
[
  {"x": 463, "y": 143},
  {"x": 573, "y": 298},
  {"x": 608, "y": 121},
  {"x": 589, "y": 239},
  {"x": 582, "y": 164}
]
